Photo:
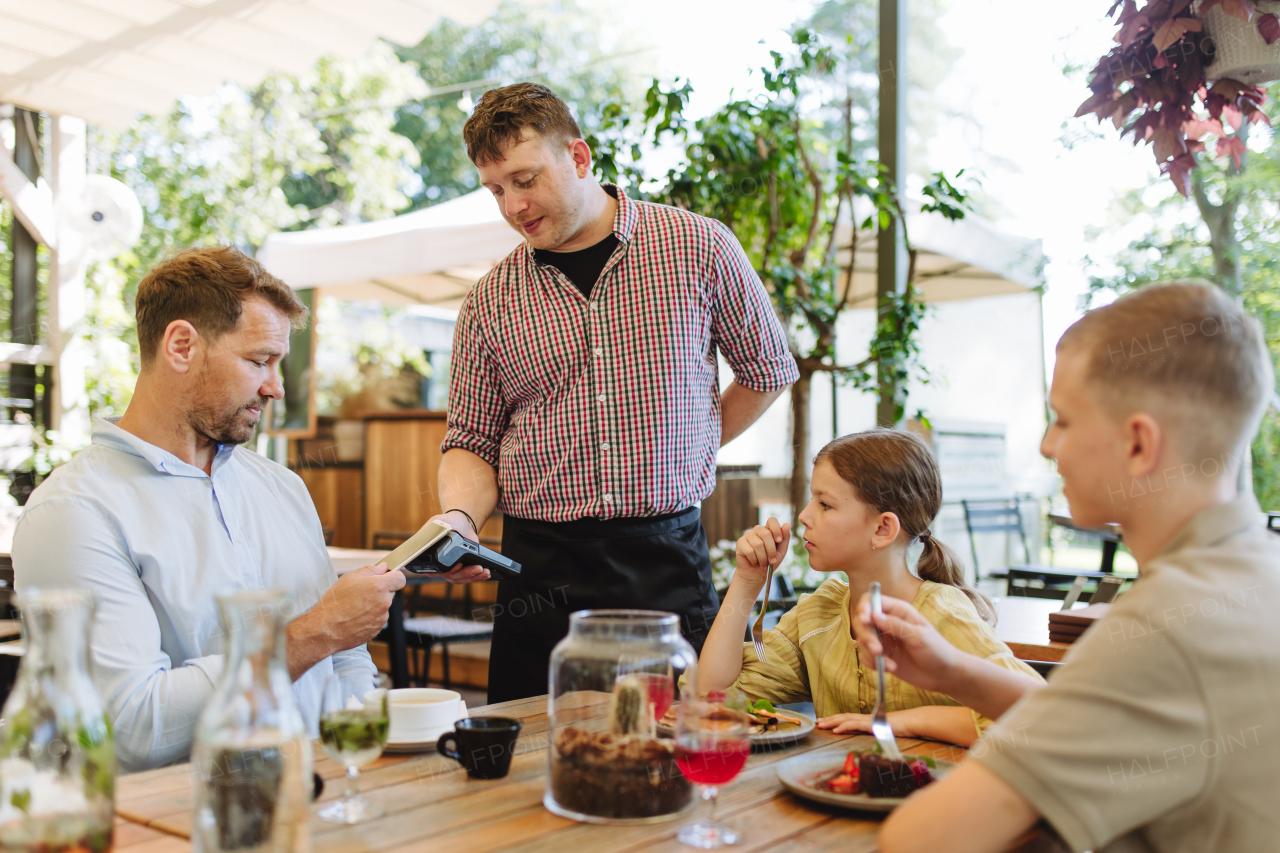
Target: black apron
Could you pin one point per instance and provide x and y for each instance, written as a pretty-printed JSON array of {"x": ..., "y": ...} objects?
[{"x": 659, "y": 563}]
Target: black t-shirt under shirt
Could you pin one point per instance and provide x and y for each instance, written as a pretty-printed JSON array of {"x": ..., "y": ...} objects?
[{"x": 582, "y": 267}]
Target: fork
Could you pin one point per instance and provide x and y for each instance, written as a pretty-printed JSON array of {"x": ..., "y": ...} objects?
[
  {"x": 757, "y": 630},
  {"x": 880, "y": 727}
]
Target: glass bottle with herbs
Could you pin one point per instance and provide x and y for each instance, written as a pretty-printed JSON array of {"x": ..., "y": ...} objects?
[
  {"x": 57, "y": 752},
  {"x": 252, "y": 757}
]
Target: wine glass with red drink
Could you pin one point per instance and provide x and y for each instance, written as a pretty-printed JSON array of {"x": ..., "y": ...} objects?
[{"x": 712, "y": 746}]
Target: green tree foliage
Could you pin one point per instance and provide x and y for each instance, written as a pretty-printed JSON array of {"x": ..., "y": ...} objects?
[
  {"x": 292, "y": 152},
  {"x": 557, "y": 43},
  {"x": 1177, "y": 245},
  {"x": 289, "y": 153}
]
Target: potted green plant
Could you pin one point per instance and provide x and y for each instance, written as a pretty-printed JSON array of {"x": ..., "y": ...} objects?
[{"x": 1154, "y": 84}]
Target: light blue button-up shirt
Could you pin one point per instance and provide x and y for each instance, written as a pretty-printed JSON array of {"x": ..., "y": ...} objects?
[{"x": 156, "y": 539}]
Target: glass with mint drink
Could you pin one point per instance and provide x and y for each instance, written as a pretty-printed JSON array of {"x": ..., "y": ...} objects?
[
  {"x": 354, "y": 738},
  {"x": 353, "y": 731}
]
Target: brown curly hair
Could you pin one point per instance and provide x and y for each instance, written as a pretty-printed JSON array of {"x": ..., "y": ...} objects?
[{"x": 501, "y": 116}]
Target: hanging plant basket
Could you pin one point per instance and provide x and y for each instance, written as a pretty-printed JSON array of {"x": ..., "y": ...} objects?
[{"x": 1244, "y": 50}]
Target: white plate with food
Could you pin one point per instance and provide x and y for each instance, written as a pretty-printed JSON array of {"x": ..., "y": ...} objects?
[
  {"x": 770, "y": 726},
  {"x": 835, "y": 779}
]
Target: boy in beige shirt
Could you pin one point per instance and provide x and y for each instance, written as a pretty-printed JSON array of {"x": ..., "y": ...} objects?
[{"x": 1161, "y": 733}]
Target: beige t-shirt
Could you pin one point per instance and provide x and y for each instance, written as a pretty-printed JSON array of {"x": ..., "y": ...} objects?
[{"x": 1161, "y": 733}]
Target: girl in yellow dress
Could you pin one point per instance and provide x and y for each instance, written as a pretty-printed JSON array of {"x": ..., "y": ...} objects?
[{"x": 874, "y": 495}]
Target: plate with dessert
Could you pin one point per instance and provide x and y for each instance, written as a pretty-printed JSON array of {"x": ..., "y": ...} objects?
[
  {"x": 864, "y": 779},
  {"x": 770, "y": 726}
]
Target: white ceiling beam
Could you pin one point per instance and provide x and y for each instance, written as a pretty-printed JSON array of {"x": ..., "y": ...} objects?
[{"x": 31, "y": 203}]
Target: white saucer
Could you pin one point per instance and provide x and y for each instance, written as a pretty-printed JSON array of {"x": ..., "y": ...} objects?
[{"x": 425, "y": 742}]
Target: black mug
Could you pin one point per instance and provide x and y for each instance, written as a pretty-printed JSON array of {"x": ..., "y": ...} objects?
[{"x": 483, "y": 745}]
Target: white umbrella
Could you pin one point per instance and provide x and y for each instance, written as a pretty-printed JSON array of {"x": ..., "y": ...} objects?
[
  {"x": 106, "y": 61},
  {"x": 434, "y": 256},
  {"x": 429, "y": 257}
]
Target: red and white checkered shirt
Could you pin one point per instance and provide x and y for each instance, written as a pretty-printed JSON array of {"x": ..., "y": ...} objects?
[{"x": 609, "y": 407}]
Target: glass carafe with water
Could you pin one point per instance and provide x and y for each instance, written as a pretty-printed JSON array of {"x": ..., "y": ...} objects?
[
  {"x": 57, "y": 752},
  {"x": 252, "y": 757}
]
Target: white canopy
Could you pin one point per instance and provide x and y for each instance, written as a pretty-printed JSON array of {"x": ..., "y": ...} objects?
[
  {"x": 429, "y": 257},
  {"x": 967, "y": 259},
  {"x": 434, "y": 256},
  {"x": 105, "y": 61}
]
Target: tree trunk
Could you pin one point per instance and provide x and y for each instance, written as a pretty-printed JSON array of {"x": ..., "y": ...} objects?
[
  {"x": 800, "y": 393},
  {"x": 1221, "y": 222},
  {"x": 887, "y": 396}
]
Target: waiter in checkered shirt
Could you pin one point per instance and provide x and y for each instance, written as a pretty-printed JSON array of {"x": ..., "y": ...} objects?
[{"x": 584, "y": 397}]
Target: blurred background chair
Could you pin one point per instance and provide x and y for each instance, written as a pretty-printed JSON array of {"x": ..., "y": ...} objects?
[
  {"x": 11, "y": 646},
  {"x": 997, "y": 515}
]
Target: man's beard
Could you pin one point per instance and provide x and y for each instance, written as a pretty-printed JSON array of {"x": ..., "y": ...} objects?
[{"x": 226, "y": 427}]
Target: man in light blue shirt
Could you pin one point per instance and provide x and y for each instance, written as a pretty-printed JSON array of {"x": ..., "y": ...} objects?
[{"x": 163, "y": 512}]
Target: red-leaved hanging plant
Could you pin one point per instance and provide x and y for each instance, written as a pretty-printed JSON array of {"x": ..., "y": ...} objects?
[{"x": 1152, "y": 83}]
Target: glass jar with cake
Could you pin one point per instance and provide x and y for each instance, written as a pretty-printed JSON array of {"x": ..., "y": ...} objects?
[{"x": 611, "y": 759}]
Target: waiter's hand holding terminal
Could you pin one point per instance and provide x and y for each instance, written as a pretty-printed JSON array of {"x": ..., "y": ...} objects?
[{"x": 461, "y": 522}]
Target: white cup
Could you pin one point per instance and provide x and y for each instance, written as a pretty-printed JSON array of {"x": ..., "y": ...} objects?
[{"x": 420, "y": 713}]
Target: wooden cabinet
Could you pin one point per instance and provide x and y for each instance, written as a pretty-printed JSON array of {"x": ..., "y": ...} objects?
[
  {"x": 401, "y": 465},
  {"x": 401, "y": 468},
  {"x": 338, "y": 493}
]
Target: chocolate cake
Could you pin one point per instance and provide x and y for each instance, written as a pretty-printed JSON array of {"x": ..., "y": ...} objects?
[
  {"x": 880, "y": 776},
  {"x": 617, "y": 776}
]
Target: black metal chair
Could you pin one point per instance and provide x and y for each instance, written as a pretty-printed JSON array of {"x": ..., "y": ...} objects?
[
  {"x": 1004, "y": 515},
  {"x": 1273, "y": 522},
  {"x": 1051, "y": 583},
  {"x": 11, "y": 654},
  {"x": 427, "y": 632},
  {"x": 999, "y": 515}
]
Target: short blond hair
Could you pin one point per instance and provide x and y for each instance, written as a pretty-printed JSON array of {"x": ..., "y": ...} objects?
[{"x": 1187, "y": 350}]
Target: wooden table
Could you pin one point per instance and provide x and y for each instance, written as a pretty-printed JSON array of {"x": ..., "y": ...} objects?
[
  {"x": 432, "y": 807},
  {"x": 1023, "y": 626},
  {"x": 1110, "y": 534}
]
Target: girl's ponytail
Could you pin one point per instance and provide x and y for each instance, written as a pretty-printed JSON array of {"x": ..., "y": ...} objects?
[
  {"x": 940, "y": 564},
  {"x": 895, "y": 472}
]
